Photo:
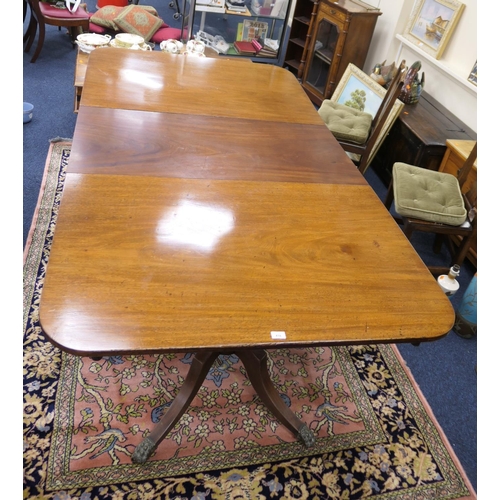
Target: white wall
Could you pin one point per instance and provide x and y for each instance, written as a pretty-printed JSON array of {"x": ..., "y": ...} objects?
[{"x": 451, "y": 90}]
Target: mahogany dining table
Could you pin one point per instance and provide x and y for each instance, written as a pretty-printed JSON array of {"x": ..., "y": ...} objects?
[{"x": 207, "y": 209}]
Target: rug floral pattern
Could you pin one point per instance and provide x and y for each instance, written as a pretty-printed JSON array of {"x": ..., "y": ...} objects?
[{"x": 84, "y": 417}]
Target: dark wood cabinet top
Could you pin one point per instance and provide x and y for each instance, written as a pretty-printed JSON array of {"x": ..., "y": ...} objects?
[
  {"x": 432, "y": 123},
  {"x": 355, "y": 7}
]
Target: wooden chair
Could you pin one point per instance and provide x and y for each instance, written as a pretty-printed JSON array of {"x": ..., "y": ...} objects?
[
  {"x": 430, "y": 201},
  {"x": 31, "y": 29},
  {"x": 362, "y": 142},
  {"x": 44, "y": 13}
]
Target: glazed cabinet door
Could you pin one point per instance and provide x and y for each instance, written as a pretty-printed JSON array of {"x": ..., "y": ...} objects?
[{"x": 324, "y": 55}]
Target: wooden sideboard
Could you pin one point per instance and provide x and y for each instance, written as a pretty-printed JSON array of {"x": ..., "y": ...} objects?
[
  {"x": 419, "y": 136},
  {"x": 456, "y": 153}
]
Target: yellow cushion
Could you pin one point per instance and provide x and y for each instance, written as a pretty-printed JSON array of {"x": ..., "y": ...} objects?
[
  {"x": 427, "y": 195},
  {"x": 136, "y": 20},
  {"x": 346, "y": 123}
]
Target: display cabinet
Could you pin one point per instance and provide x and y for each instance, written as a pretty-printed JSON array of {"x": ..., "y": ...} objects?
[
  {"x": 229, "y": 26},
  {"x": 341, "y": 34}
]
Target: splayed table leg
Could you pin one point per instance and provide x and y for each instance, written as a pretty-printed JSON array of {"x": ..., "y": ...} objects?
[
  {"x": 200, "y": 366},
  {"x": 255, "y": 363}
]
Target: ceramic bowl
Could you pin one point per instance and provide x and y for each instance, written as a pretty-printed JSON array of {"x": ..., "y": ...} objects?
[
  {"x": 127, "y": 40},
  {"x": 90, "y": 41},
  {"x": 27, "y": 112}
]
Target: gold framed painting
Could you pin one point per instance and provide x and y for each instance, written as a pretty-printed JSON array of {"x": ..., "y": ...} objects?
[
  {"x": 357, "y": 90},
  {"x": 432, "y": 23}
]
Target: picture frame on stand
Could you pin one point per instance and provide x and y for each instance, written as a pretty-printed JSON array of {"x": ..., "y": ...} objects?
[{"x": 356, "y": 84}]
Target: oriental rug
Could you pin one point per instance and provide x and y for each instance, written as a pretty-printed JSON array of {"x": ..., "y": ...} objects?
[{"x": 376, "y": 437}]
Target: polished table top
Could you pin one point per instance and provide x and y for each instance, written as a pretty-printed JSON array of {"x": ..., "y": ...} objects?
[{"x": 206, "y": 205}]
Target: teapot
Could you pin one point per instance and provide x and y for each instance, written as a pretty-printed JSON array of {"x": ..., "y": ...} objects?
[
  {"x": 172, "y": 46},
  {"x": 195, "y": 47}
]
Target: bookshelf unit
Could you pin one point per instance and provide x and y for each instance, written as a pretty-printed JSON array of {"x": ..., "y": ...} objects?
[
  {"x": 302, "y": 23},
  {"x": 215, "y": 21}
]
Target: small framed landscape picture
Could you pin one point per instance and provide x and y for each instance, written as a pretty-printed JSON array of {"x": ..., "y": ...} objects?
[
  {"x": 473, "y": 74},
  {"x": 432, "y": 23},
  {"x": 357, "y": 90}
]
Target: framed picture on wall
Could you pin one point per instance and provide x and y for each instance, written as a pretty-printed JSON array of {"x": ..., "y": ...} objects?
[
  {"x": 432, "y": 23},
  {"x": 357, "y": 90},
  {"x": 473, "y": 74}
]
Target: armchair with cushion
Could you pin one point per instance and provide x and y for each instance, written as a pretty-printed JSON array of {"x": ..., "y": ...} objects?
[{"x": 435, "y": 202}]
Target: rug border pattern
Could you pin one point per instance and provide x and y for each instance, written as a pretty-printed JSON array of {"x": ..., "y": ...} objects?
[{"x": 36, "y": 251}]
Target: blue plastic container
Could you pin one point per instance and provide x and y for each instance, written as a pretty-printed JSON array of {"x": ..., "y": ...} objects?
[
  {"x": 27, "y": 112},
  {"x": 466, "y": 316}
]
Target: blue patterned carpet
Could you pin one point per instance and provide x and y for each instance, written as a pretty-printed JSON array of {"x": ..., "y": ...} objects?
[{"x": 445, "y": 370}]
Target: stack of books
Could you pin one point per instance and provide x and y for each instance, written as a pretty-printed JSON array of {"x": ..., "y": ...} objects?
[
  {"x": 265, "y": 47},
  {"x": 244, "y": 48}
]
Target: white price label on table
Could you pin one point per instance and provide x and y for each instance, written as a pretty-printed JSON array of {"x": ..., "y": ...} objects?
[{"x": 275, "y": 335}]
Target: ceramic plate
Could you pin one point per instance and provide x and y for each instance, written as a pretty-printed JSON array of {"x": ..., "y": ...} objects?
[{"x": 142, "y": 46}]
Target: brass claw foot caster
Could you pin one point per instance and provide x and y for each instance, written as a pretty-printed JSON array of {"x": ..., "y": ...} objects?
[
  {"x": 306, "y": 435},
  {"x": 143, "y": 451}
]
